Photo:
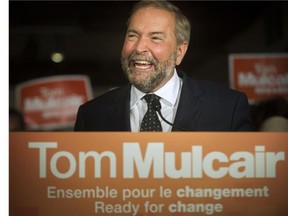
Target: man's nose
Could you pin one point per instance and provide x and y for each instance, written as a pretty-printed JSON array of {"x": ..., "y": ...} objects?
[{"x": 142, "y": 45}]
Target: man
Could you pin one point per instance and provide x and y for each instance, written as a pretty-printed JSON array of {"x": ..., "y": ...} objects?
[{"x": 156, "y": 41}]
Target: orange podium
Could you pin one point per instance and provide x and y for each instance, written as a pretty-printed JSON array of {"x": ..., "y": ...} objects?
[{"x": 122, "y": 173}]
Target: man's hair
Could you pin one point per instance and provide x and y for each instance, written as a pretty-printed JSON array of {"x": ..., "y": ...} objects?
[{"x": 183, "y": 27}]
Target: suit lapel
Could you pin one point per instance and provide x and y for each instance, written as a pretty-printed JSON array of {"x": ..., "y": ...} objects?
[
  {"x": 189, "y": 104},
  {"x": 120, "y": 111}
]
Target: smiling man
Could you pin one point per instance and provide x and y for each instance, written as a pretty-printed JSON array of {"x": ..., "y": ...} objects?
[
  {"x": 150, "y": 51},
  {"x": 159, "y": 97}
]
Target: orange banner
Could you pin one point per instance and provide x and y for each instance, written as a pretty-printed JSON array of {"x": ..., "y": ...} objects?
[
  {"x": 67, "y": 173},
  {"x": 260, "y": 76},
  {"x": 51, "y": 103}
]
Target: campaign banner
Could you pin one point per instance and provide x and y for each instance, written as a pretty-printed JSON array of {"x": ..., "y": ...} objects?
[
  {"x": 122, "y": 173},
  {"x": 260, "y": 76},
  {"x": 52, "y": 102}
]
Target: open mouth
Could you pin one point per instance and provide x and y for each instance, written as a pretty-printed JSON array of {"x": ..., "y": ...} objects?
[{"x": 142, "y": 65}]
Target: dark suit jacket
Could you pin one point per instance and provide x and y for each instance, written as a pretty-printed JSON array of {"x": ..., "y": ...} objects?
[{"x": 203, "y": 106}]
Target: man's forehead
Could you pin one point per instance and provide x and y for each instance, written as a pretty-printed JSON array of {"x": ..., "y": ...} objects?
[
  {"x": 152, "y": 17},
  {"x": 157, "y": 13}
]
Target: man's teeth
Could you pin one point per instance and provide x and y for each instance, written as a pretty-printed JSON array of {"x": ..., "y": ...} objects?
[{"x": 142, "y": 64}]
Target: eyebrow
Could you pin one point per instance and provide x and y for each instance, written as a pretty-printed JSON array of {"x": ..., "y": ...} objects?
[
  {"x": 157, "y": 33},
  {"x": 150, "y": 34},
  {"x": 132, "y": 31}
]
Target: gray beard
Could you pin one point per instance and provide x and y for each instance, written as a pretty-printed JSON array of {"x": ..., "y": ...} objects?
[{"x": 162, "y": 71}]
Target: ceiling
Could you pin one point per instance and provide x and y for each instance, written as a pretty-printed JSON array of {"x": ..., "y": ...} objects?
[{"x": 91, "y": 33}]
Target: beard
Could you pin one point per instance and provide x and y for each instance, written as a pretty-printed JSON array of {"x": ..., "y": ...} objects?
[{"x": 162, "y": 71}]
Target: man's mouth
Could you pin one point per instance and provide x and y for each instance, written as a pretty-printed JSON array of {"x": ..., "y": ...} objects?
[{"x": 142, "y": 65}]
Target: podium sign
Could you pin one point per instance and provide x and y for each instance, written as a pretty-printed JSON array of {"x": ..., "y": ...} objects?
[{"x": 68, "y": 173}]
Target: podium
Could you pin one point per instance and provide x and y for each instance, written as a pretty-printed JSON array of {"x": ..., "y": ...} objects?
[{"x": 147, "y": 173}]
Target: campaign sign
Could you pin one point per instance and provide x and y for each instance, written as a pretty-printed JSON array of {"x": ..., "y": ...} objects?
[
  {"x": 260, "y": 76},
  {"x": 183, "y": 173},
  {"x": 52, "y": 102}
]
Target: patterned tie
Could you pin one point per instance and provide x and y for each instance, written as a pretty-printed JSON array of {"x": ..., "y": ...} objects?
[{"x": 150, "y": 120}]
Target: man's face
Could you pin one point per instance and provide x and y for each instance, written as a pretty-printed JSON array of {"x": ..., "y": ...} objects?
[{"x": 149, "y": 52}]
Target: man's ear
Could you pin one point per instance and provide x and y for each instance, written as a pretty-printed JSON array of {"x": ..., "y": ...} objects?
[{"x": 181, "y": 51}]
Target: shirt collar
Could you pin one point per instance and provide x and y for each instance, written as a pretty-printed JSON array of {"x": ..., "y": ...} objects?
[
  {"x": 136, "y": 96},
  {"x": 168, "y": 92}
]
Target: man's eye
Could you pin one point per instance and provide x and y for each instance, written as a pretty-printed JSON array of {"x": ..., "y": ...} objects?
[
  {"x": 131, "y": 36},
  {"x": 156, "y": 39}
]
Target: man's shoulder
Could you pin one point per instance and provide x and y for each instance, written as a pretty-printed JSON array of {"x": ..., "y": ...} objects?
[
  {"x": 209, "y": 88},
  {"x": 215, "y": 88},
  {"x": 205, "y": 87},
  {"x": 109, "y": 97}
]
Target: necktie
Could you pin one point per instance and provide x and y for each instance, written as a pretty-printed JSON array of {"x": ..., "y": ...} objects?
[{"x": 150, "y": 120}]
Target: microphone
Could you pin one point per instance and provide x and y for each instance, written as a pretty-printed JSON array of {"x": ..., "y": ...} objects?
[{"x": 156, "y": 105}]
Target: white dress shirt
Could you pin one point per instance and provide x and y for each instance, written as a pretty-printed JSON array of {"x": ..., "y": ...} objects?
[{"x": 169, "y": 93}]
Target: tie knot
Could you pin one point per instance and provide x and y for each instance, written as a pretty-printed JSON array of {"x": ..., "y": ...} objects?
[{"x": 149, "y": 98}]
